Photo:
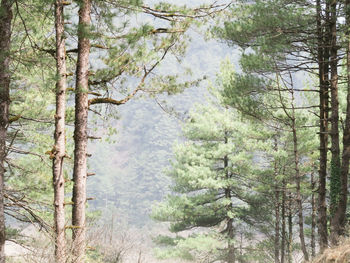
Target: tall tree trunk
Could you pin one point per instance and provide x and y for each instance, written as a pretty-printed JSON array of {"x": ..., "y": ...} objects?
[
  {"x": 298, "y": 178},
  {"x": 80, "y": 132},
  {"x": 340, "y": 214},
  {"x": 59, "y": 149},
  {"x": 5, "y": 41},
  {"x": 335, "y": 148},
  {"x": 323, "y": 82}
]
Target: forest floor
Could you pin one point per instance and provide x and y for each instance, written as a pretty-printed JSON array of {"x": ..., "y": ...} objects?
[{"x": 339, "y": 254}]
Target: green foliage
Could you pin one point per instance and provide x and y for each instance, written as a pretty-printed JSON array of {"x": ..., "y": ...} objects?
[
  {"x": 197, "y": 247},
  {"x": 243, "y": 92},
  {"x": 203, "y": 180}
]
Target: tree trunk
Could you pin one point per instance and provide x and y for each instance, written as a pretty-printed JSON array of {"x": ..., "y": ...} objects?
[
  {"x": 313, "y": 216},
  {"x": 297, "y": 175},
  {"x": 283, "y": 215},
  {"x": 59, "y": 149},
  {"x": 231, "y": 248},
  {"x": 277, "y": 209},
  {"x": 277, "y": 228},
  {"x": 323, "y": 82},
  {"x": 298, "y": 183},
  {"x": 5, "y": 41},
  {"x": 290, "y": 228},
  {"x": 344, "y": 172},
  {"x": 335, "y": 148},
  {"x": 298, "y": 199},
  {"x": 231, "y": 258},
  {"x": 80, "y": 132}
]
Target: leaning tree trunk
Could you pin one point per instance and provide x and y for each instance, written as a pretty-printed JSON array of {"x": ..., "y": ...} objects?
[
  {"x": 322, "y": 57},
  {"x": 59, "y": 149},
  {"x": 5, "y": 36},
  {"x": 80, "y": 133}
]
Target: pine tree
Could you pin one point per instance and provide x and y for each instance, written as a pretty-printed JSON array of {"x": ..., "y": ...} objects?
[
  {"x": 301, "y": 31},
  {"x": 128, "y": 56},
  {"x": 59, "y": 150},
  {"x": 206, "y": 175},
  {"x": 5, "y": 77}
]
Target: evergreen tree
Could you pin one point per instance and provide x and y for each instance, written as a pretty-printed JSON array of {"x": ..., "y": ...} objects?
[
  {"x": 301, "y": 31},
  {"x": 5, "y": 77},
  {"x": 206, "y": 175},
  {"x": 59, "y": 149}
]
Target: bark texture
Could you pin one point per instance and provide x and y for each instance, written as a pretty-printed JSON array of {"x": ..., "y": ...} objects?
[
  {"x": 80, "y": 132},
  {"x": 313, "y": 216},
  {"x": 59, "y": 149},
  {"x": 5, "y": 36},
  {"x": 322, "y": 57},
  {"x": 335, "y": 147},
  {"x": 290, "y": 228},
  {"x": 277, "y": 209},
  {"x": 283, "y": 215},
  {"x": 344, "y": 172},
  {"x": 298, "y": 186}
]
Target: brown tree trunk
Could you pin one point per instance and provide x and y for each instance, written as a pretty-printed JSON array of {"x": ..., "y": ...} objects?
[
  {"x": 297, "y": 175},
  {"x": 5, "y": 41},
  {"x": 231, "y": 248},
  {"x": 277, "y": 210},
  {"x": 283, "y": 215},
  {"x": 341, "y": 212},
  {"x": 59, "y": 149},
  {"x": 80, "y": 132},
  {"x": 298, "y": 185},
  {"x": 313, "y": 216},
  {"x": 335, "y": 148},
  {"x": 277, "y": 227},
  {"x": 339, "y": 219},
  {"x": 323, "y": 81},
  {"x": 290, "y": 228}
]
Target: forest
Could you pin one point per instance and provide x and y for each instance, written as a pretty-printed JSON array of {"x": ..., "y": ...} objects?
[{"x": 148, "y": 131}]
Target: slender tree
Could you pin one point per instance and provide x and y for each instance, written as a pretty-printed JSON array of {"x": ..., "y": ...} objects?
[
  {"x": 80, "y": 132},
  {"x": 322, "y": 57},
  {"x": 5, "y": 41},
  {"x": 277, "y": 208},
  {"x": 59, "y": 150},
  {"x": 313, "y": 215},
  {"x": 335, "y": 144},
  {"x": 298, "y": 177},
  {"x": 339, "y": 218}
]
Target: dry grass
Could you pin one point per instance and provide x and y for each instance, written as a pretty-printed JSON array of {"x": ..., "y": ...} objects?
[{"x": 339, "y": 254}]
